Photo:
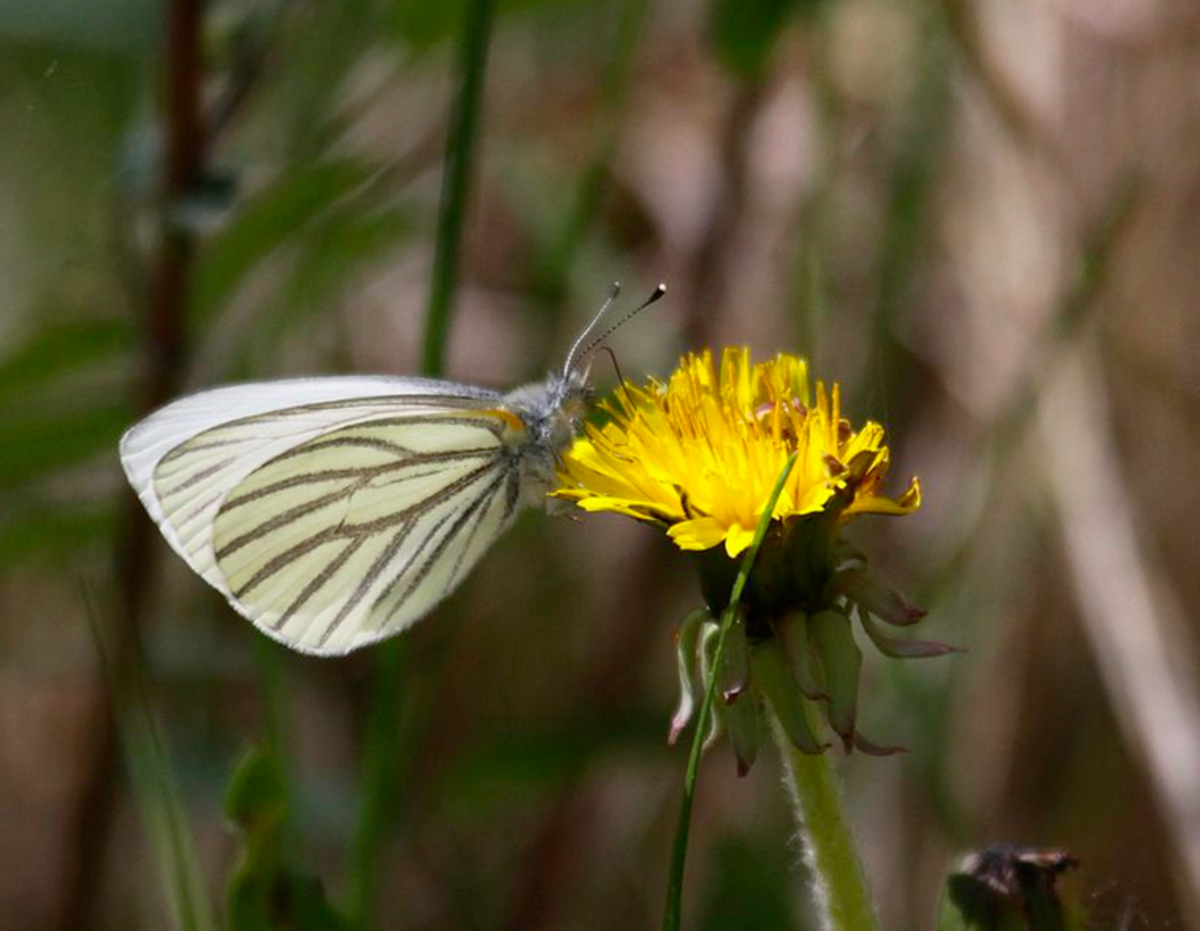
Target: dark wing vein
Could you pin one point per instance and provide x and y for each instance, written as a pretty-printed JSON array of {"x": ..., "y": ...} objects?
[
  {"x": 481, "y": 508},
  {"x": 318, "y": 581},
  {"x": 318, "y": 476},
  {"x": 373, "y": 574},
  {"x": 423, "y": 570}
]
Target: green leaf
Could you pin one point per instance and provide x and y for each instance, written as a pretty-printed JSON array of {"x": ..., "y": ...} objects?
[
  {"x": 56, "y": 528},
  {"x": 39, "y": 443},
  {"x": 338, "y": 248},
  {"x": 106, "y": 25},
  {"x": 59, "y": 349},
  {"x": 743, "y": 32},
  {"x": 266, "y": 222},
  {"x": 265, "y": 893},
  {"x": 423, "y": 24},
  {"x": 330, "y": 255},
  {"x": 256, "y": 797}
]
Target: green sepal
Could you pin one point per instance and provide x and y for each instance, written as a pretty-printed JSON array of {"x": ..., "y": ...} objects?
[
  {"x": 709, "y": 636},
  {"x": 741, "y": 716},
  {"x": 830, "y": 635},
  {"x": 846, "y": 556},
  {"x": 900, "y": 648},
  {"x": 735, "y": 662},
  {"x": 773, "y": 679},
  {"x": 741, "y": 720},
  {"x": 884, "y": 602},
  {"x": 870, "y": 748},
  {"x": 685, "y": 662},
  {"x": 792, "y": 633}
]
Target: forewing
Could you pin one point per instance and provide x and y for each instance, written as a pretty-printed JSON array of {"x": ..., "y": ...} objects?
[{"x": 429, "y": 440}]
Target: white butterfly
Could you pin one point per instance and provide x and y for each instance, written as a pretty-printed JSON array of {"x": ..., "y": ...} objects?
[{"x": 334, "y": 512}]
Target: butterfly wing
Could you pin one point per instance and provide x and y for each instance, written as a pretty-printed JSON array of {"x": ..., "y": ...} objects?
[{"x": 330, "y": 512}]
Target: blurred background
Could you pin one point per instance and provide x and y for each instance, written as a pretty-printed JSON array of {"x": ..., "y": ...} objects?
[{"x": 982, "y": 219}]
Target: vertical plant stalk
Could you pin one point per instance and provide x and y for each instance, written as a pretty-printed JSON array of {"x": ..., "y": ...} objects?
[
  {"x": 165, "y": 349},
  {"x": 163, "y": 815},
  {"x": 839, "y": 882},
  {"x": 456, "y": 180},
  {"x": 674, "y": 910},
  {"x": 384, "y": 737}
]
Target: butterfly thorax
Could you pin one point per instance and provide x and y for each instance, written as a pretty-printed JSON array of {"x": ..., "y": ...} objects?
[{"x": 551, "y": 411}]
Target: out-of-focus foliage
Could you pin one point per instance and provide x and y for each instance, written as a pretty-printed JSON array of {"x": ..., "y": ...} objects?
[
  {"x": 265, "y": 890},
  {"x": 743, "y": 34},
  {"x": 946, "y": 207}
]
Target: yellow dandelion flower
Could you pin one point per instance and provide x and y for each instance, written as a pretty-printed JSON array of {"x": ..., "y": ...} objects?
[{"x": 701, "y": 453}]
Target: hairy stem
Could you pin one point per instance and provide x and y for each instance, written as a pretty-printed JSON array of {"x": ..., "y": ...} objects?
[{"x": 839, "y": 883}]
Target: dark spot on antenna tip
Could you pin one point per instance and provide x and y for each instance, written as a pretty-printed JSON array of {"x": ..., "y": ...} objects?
[
  {"x": 614, "y": 290},
  {"x": 655, "y": 295}
]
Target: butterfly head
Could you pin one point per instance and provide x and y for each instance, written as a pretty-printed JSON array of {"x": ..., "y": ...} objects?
[{"x": 553, "y": 410}]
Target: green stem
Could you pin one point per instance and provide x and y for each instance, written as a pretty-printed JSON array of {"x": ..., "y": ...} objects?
[
  {"x": 456, "y": 181},
  {"x": 382, "y": 751},
  {"x": 839, "y": 882},
  {"x": 674, "y": 909}
]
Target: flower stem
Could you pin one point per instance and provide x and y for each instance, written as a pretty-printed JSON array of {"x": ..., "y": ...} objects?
[
  {"x": 674, "y": 909},
  {"x": 839, "y": 883}
]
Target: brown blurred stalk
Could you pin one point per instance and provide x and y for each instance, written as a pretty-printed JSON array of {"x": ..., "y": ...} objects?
[
  {"x": 1132, "y": 616},
  {"x": 165, "y": 350}
]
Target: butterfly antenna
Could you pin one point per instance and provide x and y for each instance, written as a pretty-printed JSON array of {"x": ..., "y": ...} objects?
[
  {"x": 574, "y": 353},
  {"x": 612, "y": 355},
  {"x": 654, "y": 297}
]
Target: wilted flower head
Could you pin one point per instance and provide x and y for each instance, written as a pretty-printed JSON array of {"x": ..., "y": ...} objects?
[{"x": 700, "y": 456}]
